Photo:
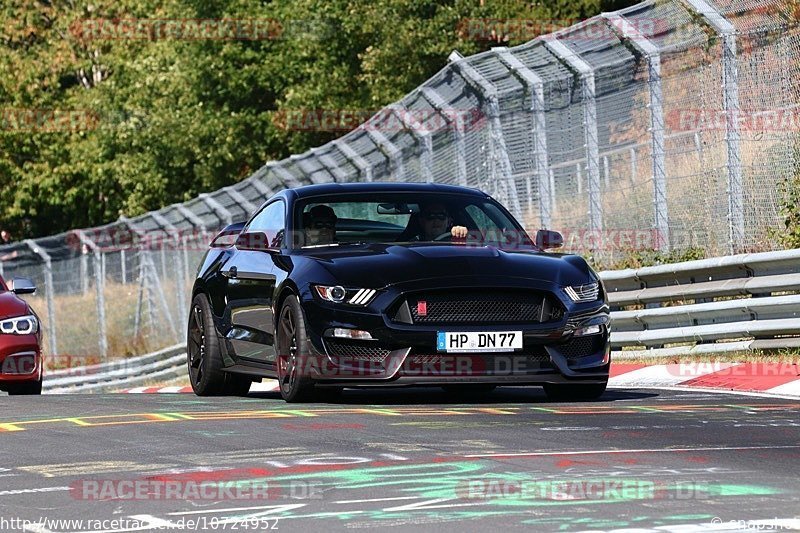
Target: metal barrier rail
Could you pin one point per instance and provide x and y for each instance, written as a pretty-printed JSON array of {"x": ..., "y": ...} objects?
[
  {"x": 164, "y": 364},
  {"x": 755, "y": 314},
  {"x": 747, "y": 296}
]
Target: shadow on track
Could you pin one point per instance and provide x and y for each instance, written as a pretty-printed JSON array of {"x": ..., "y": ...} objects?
[{"x": 437, "y": 396}]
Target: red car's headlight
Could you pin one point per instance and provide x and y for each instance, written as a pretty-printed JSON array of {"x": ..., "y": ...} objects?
[{"x": 20, "y": 325}]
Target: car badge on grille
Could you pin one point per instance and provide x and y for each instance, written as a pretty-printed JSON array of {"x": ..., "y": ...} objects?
[{"x": 422, "y": 308}]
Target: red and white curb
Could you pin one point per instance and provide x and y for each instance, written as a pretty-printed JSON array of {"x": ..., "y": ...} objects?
[{"x": 780, "y": 379}]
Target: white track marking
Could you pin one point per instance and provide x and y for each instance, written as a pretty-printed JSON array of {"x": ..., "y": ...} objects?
[
  {"x": 761, "y": 394},
  {"x": 398, "y": 498},
  {"x": 268, "y": 508},
  {"x": 639, "y": 450}
]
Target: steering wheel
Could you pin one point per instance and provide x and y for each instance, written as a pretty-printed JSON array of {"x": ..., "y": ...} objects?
[{"x": 443, "y": 236}]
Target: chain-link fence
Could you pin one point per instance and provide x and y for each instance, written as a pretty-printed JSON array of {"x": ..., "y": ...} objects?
[{"x": 667, "y": 125}]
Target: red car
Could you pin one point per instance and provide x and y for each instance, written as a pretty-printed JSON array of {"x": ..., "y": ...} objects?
[{"x": 20, "y": 340}]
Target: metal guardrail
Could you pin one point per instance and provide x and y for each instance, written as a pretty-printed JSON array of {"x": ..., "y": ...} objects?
[
  {"x": 748, "y": 301},
  {"x": 752, "y": 301},
  {"x": 164, "y": 364}
]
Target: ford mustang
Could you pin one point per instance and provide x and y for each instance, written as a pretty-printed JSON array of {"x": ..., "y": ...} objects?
[{"x": 394, "y": 284}]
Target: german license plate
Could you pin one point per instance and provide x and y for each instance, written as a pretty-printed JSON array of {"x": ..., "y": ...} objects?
[{"x": 478, "y": 341}]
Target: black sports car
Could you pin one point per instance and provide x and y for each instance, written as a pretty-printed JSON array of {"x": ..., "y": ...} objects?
[{"x": 391, "y": 284}]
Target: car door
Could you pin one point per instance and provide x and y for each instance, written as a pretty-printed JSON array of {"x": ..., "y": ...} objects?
[{"x": 250, "y": 275}]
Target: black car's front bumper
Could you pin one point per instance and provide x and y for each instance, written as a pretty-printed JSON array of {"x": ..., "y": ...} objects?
[{"x": 406, "y": 354}]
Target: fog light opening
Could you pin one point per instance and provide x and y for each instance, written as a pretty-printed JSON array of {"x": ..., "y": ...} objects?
[
  {"x": 345, "y": 333},
  {"x": 589, "y": 330}
]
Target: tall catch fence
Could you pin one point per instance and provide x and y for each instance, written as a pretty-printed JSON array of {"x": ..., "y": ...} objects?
[{"x": 667, "y": 125}]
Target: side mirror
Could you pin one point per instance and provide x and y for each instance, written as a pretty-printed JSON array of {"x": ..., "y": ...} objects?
[
  {"x": 227, "y": 237},
  {"x": 546, "y": 239},
  {"x": 257, "y": 241},
  {"x": 22, "y": 286}
]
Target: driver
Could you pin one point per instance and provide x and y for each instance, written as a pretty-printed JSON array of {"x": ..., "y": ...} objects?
[
  {"x": 319, "y": 225},
  {"x": 435, "y": 221}
]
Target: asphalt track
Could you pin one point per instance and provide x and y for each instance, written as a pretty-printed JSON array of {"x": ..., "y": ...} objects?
[{"x": 398, "y": 460}]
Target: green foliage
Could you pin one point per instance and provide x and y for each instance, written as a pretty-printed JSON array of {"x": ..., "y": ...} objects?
[
  {"x": 789, "y": 235},
  {"x": 173, "y": 118},
  {"x": 645, "y": 258}
]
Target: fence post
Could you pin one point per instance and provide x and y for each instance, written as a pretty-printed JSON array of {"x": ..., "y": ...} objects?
[
  {"x": 730, "y": 89},
  {"x": 99, "y": 291},
  {"x": 339, "y": 175},
  {"x": 48, "y": 294},
  {"x": 246, "y": 204},
  {"x": 183, "y": 303},
  {"x": 488, "y": 93},
  {"x": 441, "y": 106},
  {"x": 359, "y": 162},
  {"x": 586, "y": 73},
  {"x": 287, "y": 178},
  {"x": 388, "y": 149},
  {"x": 255, "y": 181},
  {"x": 423, "y": 137},
  {"x": 651, "y": 52},
  {"x": 535, "y": 87}
]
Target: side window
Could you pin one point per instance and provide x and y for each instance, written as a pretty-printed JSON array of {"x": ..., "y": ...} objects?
[
  {"x": 271, "y": 221},
  {"x": 481, "y": 218}
]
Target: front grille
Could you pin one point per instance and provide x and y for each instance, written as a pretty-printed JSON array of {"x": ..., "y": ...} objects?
[
  {"x": 356, "y": 350},
  {"x": 581, "y": 346},
  {"x": 477, "y": 307}
]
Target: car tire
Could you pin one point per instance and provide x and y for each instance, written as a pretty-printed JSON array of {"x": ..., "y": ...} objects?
[
  {"x": 204, "y": 356},
  {"x": 574, "y": 391},
  {"x": 469, "y": 389},
  {"x": 294, "y": 352},
  {"x": 27, "y": 388}
]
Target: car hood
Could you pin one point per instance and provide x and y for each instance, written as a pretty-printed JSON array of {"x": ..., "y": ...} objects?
[
  {"x": 378, "y": 265},
  {"x": 12, "y": 305}
]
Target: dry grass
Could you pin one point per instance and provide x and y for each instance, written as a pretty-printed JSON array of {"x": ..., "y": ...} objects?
[
  {"x": 77, "y": 324},
  {"x": 787, "y": 356}
]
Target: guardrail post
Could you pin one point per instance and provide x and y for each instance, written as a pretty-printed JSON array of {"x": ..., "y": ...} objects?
[
  {"x": 48, "y": 294},
  {"x": 535, "y": 87},
  {"x": 501, "y": 167},
  {"x": 586, "y": 73},
  {"x": 441, "y": 106},
  {"x": 730, "y": 88},
  {"x": 100, "y": 292},
  {"x": 651, "y": 52}
]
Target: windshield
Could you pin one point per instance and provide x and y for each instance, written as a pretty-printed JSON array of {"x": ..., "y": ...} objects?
[{"x": 405, "y": 218}]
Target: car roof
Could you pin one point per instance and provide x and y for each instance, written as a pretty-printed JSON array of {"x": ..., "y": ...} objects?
[{"x": 343, "y": 188}]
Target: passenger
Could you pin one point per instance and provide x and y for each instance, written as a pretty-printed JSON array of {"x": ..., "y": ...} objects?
[{"x": 319, "y": 225}]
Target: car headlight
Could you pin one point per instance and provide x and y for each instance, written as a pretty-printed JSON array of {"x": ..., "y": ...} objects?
[
  {"x": 583, "y": 293},
  {"x": 20, "y": 325},
  {"x": 339, "y": 294}
]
